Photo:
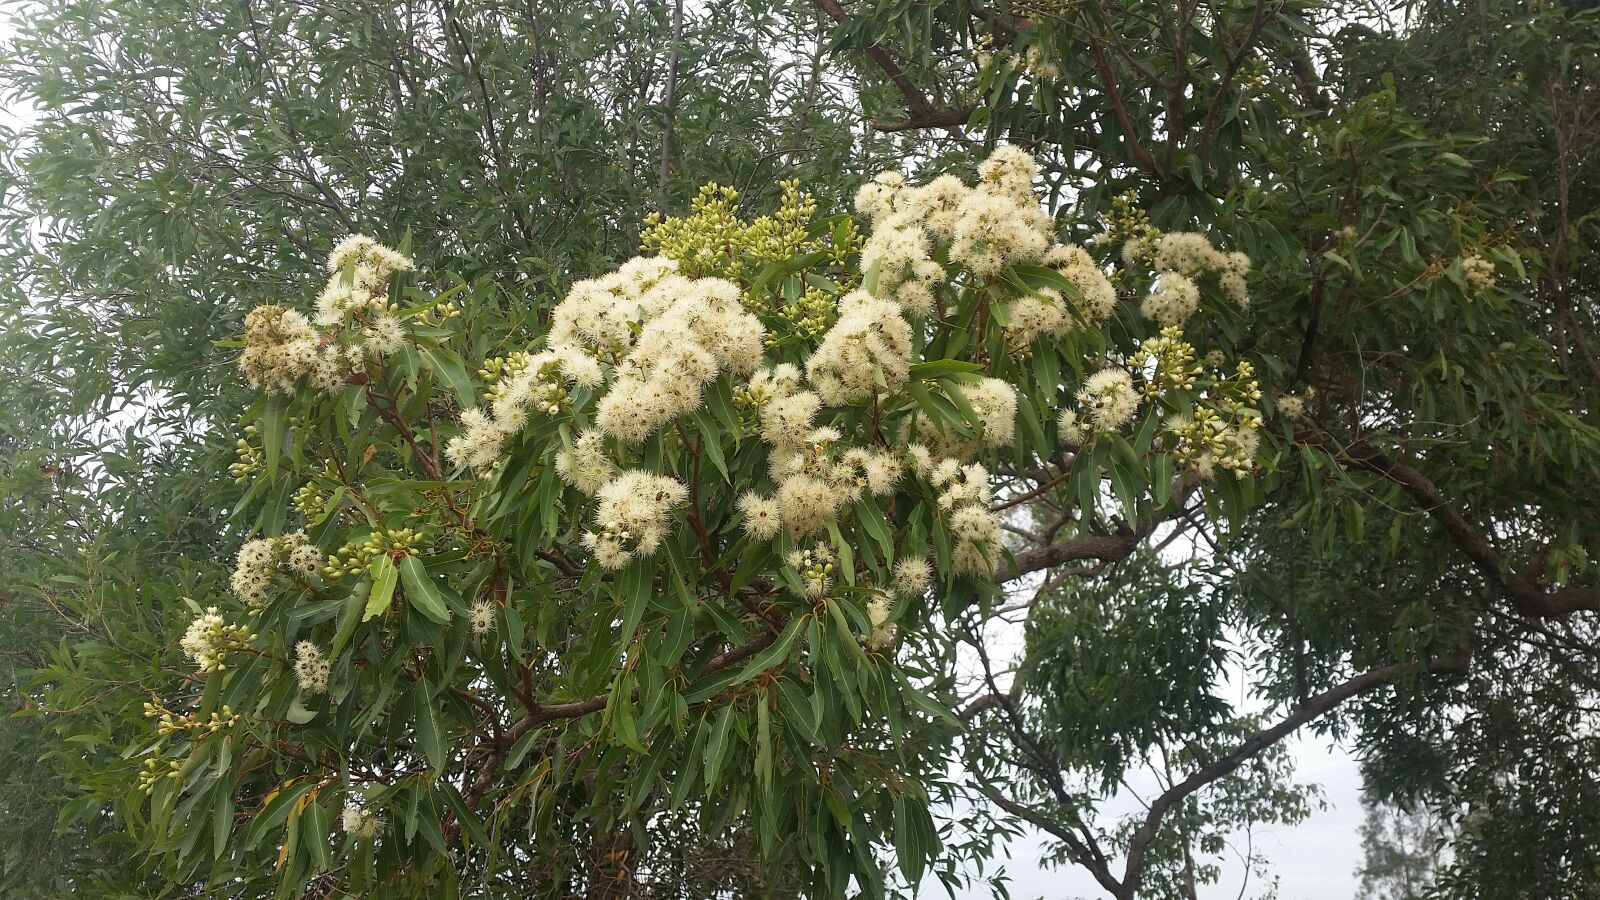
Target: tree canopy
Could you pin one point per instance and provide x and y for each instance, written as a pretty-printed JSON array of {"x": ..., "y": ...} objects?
[{"x": 787, "y": 448}]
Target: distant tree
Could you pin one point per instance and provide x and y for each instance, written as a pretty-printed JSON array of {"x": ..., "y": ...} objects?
[{"x": 1403, "y": 851}]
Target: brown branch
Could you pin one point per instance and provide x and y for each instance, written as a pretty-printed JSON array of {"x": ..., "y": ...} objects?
[
  {"x": 1103, "y": 547},
  {"x": 1312, "y": 709},
  {"x": 916, "y": 102},
  {"x": 1101, "y": 872},
  {"x": 953, "y": 117},
  {"x": 391, "y": 414},
  {"x": 1524, "y": 592},
  {"x": 539, "y": 714},
  {"x": 1234, "y": 61},
  {"x": 1108, "y": 80},
  {"x": 456, "y": 39}
]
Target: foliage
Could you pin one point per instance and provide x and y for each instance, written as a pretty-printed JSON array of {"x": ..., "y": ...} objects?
[{"x": 1409, "y": 395}]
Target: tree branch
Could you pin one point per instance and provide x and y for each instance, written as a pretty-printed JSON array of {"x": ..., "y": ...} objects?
[
  {"x": 1314, "y": 708},
  {"x": 1524, "y": 592},
  {"x": 921, "y": 111}
]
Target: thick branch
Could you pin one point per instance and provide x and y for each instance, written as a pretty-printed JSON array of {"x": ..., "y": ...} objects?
[
  {"x": 916, "y": 102},
  {"x": 936, "y": 118},
  {"x": 1525, "y": 594},
  {"x": 1101, "y": 872},
  {"x": 1108, "y": 79},
  {"x": 1312, "y": 709},
  {"x": 1107, "y": 548}
]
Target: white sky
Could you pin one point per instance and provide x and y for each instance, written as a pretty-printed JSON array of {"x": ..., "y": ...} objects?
[{"x": 1315, "y": 860}]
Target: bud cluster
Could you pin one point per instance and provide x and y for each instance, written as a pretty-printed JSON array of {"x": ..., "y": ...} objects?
[{"x": 357, "y": 557}]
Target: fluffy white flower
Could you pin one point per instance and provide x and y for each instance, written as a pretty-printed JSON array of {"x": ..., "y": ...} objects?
[
  {"x": 311, "y": 668},
  {"x": 360, "y": 823},
  {"x": 1108, "y": 399},
  {"x": 481, "y": 620},
  {"x": 1070, "y": 430},
  {"x": 586, "y": 466},
  {"x": 879, "y": 609},
  {"x": 633, "y": 513},
  {"x": 1187, "y": 252},
  {"x": 975, "y": 535},
  {"x": 209, "y": 638},
  {"x": 786, "y": 421},
  {"x": 479, "y": 443},
  {"x": 871, "y": 341},
  {"x": 1009, "y": 172},
  {"x": 1173, "y": 300},
  {"x": 1477, "y": 273},
  {"x": 763, "y": 517},
  {"x": 912, "y": 576},
  {"x": 994, "y": 231}
]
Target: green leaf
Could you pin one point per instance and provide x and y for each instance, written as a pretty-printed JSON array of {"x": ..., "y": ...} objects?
[
  {"x": 221, "y": 819},
  {"x": 717, "y": 748},
  {"x": 351, "y": 617},
  {"x": 943, "y": 368},
  {"x": 274, "y": 422},
  {"x": 449, "y": 367},
  {"x": 776, "y": 653},
  {"x": 314, "y": 826},
  {"x": 384, "y": 578},
  {"x": 422, "y": 592},
  {"x": 429, "y": 736},
  {"x": 276, "y": 812}
]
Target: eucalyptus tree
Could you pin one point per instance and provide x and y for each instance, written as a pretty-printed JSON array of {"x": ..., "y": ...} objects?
[
  {"x": 688, "y": 583},
  {"x": 172, "y": 165}
]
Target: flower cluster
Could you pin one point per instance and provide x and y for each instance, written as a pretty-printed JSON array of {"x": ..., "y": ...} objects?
[
  {"x": 357, "y": 556},
  {"x": 209, "y": 638},
  {"x": 1224, "y": 428},
  {"x": 816, "y": 474},
  {"x": 354, "y": 322},
  {"x": 1477, "y": 273},
  {"x": 1178, "y": 258},
  {"x": 879, "y": 609},
  {"x": 994, "y": 404},
  {"x": 964, "y": 498},
  {"x": 360, "y": 823},
  {"x": 714, "y": 240},
  {"x": 996, "y": 223},
  {"x": 261, "y": 558},
  {"x": 632, "y": 516},
  {"x": 869, "y": 348},
  {"x": 1046, "y": 312},
  {"x": 586, "y": 465},
  {"x": 1107, "y": 399},
  {"x": 1217, "y": 423},
  {"x": 152, "y": 771},
  {"x": 912, "y": 576},
  {"x": 311, "y": 668},
  {"x": 815, "y": 565},
  {"x": 191, "y": 724}
]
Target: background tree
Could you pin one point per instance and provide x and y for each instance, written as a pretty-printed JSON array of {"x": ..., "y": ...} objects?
[{"x": 1402, "y": 851}]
